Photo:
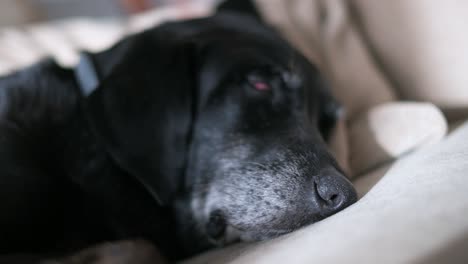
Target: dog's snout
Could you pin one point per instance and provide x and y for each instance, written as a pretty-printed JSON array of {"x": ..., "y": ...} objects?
[{"x": 334, "y": 192}]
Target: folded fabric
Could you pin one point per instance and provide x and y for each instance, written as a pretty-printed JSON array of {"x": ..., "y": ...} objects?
[{"x": 390, "y": 130}]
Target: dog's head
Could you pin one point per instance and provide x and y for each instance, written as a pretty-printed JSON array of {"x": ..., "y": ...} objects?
[{"x": 227, "y": 123}]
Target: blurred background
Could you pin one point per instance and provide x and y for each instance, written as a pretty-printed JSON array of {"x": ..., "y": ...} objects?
[{"x": 17, "y": 12}]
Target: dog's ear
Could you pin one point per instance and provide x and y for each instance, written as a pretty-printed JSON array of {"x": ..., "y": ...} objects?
[
  {"x": 142, "y": 110},
  {"x": 330, "y": 111}
]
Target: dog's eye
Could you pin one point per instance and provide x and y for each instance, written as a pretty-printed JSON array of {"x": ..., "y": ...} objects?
[
  {"x": 261, "y": 86},
  {"x": 258, "y": 83}
]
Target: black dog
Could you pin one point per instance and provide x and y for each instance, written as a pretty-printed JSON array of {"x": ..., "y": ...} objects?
[{"x": 201, "y": 133}]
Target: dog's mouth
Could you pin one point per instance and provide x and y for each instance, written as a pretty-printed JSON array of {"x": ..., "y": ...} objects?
[{"x": 221, "y": 233}]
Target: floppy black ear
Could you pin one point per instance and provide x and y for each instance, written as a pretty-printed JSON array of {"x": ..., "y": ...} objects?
[
  {"x": 142, "y": 111},
  {"x": 330, "y": 111}
]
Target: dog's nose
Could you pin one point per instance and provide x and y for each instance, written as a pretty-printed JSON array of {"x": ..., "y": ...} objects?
[{"x": 334, "y": 191}]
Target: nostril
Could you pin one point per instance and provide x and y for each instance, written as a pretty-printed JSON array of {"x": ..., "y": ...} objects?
[
  {"x": 334, "y": 198},
  {"x": 216, "y": 226},
  {"x": 334, "y": 191},
  {"x": 328, "y": 194}
]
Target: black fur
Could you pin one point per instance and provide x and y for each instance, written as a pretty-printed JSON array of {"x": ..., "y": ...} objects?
[{"x": 175, "y": 146}]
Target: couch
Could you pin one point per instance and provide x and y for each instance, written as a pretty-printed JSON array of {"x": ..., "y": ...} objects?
[{"x": 400, "y": 70}]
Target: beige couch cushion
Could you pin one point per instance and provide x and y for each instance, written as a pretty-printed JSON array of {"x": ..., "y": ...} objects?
[
  {"x": 417, "y": 210},
  {"x": 390, "y": 130},
  {"x": 422, "y": 46}
]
